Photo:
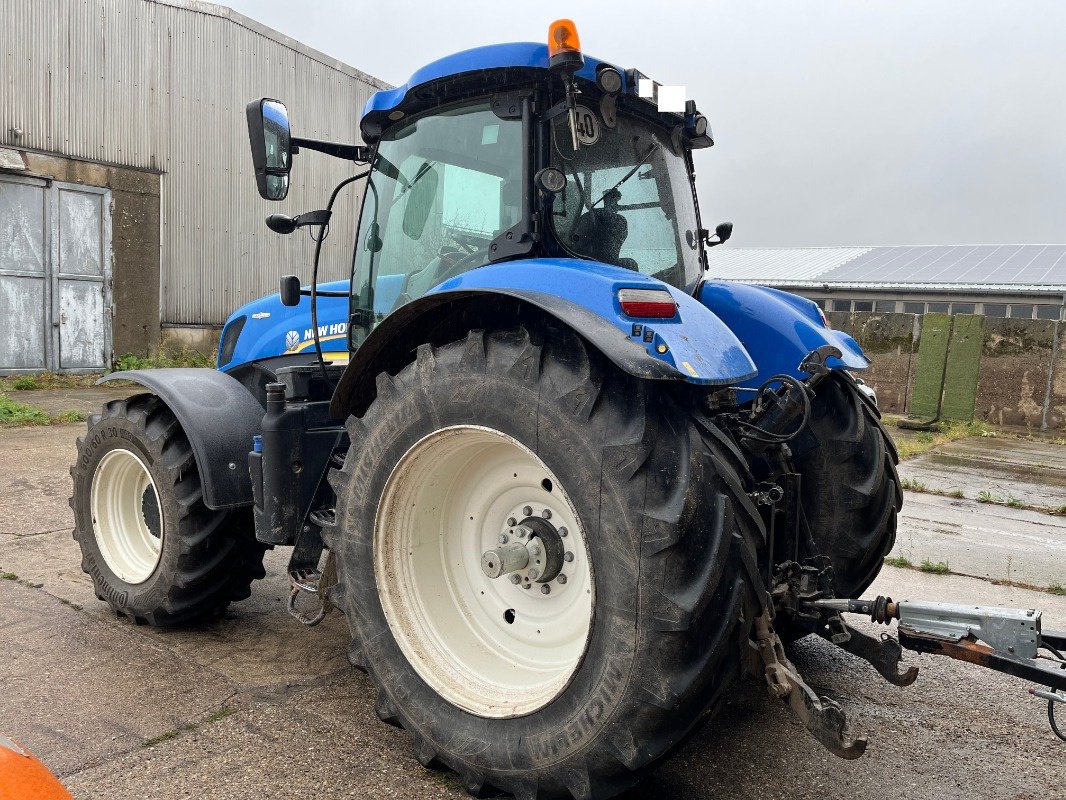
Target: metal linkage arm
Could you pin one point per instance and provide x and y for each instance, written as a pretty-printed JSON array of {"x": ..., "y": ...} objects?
[{"x": 1003, "y": 639}]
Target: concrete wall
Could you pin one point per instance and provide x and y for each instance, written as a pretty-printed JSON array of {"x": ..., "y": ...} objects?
[
  {"x": 891, "y": 342},
  {"x": 134, "y": 242},
  {"x": 1003, "y": 371}
]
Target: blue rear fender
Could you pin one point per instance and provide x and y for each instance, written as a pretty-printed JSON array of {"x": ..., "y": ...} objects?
[
  {"x": 695, "y": 344},
  {"x": 777, "y": 328}
]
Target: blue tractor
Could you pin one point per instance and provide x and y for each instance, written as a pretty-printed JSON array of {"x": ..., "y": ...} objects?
[{"x": 565, "y": 487}]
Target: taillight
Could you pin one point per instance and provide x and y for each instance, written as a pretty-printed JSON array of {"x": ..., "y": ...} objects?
[{"x": 647, "y": 303}]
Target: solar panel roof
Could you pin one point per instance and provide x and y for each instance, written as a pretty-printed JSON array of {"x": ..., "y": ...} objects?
[{"x": 1034, "y": 266}]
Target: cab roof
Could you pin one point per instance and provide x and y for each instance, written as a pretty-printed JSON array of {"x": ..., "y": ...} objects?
[{"x": 513, "y": 55}]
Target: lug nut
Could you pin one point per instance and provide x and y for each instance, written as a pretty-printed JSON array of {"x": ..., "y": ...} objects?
[
  {"x": 534, "y": 550},
  {"x": 504, "y": 538},
  {"x": 562, "y": 579},
  {"x": 528, "y": 511},
  {"x": 563, "y": 531},
  {"x": 533, "y": 574},
  {"x": 521, "y": 533},
  {"x": 568, "y": 557},
  {"x": 511, "y": 522},
  {"x": 546, "y": 513},
  {"x": 516, "y": 579},
  {"x": 545, "y": 589}
]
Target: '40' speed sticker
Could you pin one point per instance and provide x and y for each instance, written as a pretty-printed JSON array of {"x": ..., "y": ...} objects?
[{"x": 586, "y": 125}]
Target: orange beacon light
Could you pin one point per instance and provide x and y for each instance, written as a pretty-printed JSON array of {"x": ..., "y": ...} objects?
[{"x": 564, "y": 47}]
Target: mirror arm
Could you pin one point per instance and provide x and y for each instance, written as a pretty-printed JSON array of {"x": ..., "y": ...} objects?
[{"x": 349, "y": 152}]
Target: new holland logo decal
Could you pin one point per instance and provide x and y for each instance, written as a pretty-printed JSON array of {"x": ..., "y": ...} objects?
[{"x": 292, "y": 339}]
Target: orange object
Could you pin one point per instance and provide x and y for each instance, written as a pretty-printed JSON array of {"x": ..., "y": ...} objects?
[
  {"x": 562, "y": 38},
  {"x": 23, "y": 777}
]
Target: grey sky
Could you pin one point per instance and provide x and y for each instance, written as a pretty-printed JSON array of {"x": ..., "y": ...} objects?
[{"x": 835, "y": 121}]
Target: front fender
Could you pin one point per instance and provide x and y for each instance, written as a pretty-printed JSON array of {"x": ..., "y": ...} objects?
[
  {"x": 219, "y": 417},
  {"x": 777, "y": 328}
]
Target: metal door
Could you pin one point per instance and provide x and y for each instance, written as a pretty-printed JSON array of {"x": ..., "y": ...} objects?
[
  {"x": 55, "y": 271},
  {"x": 24, "y": 290}
]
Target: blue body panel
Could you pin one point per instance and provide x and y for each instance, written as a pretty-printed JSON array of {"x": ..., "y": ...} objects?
[
  {"x": 274, "y": 330},
  {"x": 699, "y": 345},
  {"x": 493, "y": 56},
  {"x": 733, "y": 333},
  {"x": 777, "y": 328}
]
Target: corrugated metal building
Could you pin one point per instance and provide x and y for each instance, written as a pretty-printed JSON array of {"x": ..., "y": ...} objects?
[
  {"x": 125, "y": 179},
  {"x": 1019, "y": 281}
]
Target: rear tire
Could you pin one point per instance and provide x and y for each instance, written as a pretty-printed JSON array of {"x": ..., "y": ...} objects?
[
  {"x": 851, "y": 492},
  {"x": 664, "y": 522},
  {"x": 155, "y": 552}
]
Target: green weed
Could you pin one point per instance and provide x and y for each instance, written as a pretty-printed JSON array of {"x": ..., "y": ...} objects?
[
  {"x": 938, "y": 568},
  {"x": 902, "y": 562},
  {"x": 13, "y": 412}
]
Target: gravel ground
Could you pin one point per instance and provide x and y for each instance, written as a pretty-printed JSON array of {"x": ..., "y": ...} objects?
[{"x": 255, "y": 706}]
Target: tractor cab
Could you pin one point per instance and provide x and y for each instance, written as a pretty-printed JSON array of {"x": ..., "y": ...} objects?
[{"x": 510, "y": 151}]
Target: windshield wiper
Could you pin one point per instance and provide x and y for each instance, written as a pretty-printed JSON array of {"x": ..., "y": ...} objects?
[
  {"x": 426, "y": 167},
  {"x": 627, "y": 176}
]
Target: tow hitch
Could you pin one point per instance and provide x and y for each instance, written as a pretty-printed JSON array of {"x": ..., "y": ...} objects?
[{"x": 1004, "y": 639}]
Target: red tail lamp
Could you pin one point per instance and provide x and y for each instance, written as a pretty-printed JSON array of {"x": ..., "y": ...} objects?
[{"x": 647, "y": 303}]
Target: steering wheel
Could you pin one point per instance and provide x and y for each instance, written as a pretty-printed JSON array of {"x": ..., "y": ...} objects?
[{"x": 461, "y": 265}]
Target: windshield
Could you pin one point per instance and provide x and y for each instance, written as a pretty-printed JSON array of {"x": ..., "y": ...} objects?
[
  {"x": 628, "y": 199},
  {"x": 442, "y": 187}
]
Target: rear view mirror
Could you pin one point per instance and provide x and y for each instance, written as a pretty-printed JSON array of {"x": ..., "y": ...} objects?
[
  {"x": 268, "y": 135},
  {"x": 423, "y": 191}
]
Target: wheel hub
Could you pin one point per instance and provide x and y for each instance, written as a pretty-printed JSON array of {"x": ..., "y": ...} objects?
[{"x": 533, "y": 551}]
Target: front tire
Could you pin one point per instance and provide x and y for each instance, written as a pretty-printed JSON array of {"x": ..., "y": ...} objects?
[
  {"x": 483, "y": 430},
  {"x": 154, "y": 551}
]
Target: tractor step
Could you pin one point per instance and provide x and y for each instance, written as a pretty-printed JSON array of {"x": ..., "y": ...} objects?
[{"x": 310, "y": 581}]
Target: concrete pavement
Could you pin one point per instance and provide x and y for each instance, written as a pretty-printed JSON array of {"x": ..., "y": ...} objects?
[
  {"x": 255, "y": 706},
  {"x": 988, "y": 540}
]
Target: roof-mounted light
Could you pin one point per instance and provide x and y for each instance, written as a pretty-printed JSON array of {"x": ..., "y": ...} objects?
[
  {"x": 564, "y": 47},
  {"x": 608, "y": 79}
]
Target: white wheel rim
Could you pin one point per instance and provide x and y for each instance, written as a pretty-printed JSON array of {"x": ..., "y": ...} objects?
[
  {"x": 122, "y": 488},
  {"x": 445, "y": 503}
]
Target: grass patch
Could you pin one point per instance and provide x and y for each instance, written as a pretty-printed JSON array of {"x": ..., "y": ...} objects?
[
  {"x": 184, "y": 358},
  {"x": 1058, "y": 511},
  {"x": 66, "y": 417},
  {"x": 9, "y": 576},
  {"x": 25, "y": 383},
  {"x": 912, "y": 485},
  {"x": 222, "y": 713},
  {"x": 902, "y": 562},
  {"x": 924, "y": 441},
  {"x": 13, "y": 412},
  {"x": 48, "y": 380},
  {"x": 1057, "y": 588},
  {"x": 937, "y": 568}
]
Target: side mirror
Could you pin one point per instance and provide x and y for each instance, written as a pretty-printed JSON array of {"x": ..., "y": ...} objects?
[
  {"x": 290, "y": 290},
  {"x": 271, "y": 142},
  {"x": 722, "y": 231}
]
